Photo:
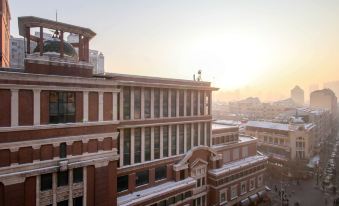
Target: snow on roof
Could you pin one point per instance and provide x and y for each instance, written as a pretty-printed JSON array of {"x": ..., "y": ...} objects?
[
  {"x": 222, "y": 126},
  {"x": 149, "y": 193},
  {"x": 269, "y": 125},
  {"x": 238, "y": 164}
]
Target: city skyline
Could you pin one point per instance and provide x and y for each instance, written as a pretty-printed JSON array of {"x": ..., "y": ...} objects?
[{"x": 256, "y": 48}]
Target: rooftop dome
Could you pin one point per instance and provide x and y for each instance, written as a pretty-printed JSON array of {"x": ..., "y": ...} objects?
[{"x": 53, "y": 46}]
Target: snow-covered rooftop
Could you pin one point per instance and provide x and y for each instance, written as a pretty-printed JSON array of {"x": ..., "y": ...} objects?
[
  {"x": 222, "y": 126},
  {"x": 161, "y": 189},
  {"x": 269, "y": 125},
  {"x": 228, "y": 167}
]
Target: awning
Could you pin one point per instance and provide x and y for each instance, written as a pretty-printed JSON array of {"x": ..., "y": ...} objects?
[
  {"x": 245, "y": 202},
  {"x": 254, "y": 198}
]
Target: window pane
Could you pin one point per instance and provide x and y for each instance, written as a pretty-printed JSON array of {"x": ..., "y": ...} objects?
[
  {"x": 173, "y": 102},
  {"x": 195, "y": 102},
  {"x": 127, "y": 146},
  {"x": 188, "y": 103},
  {"x": 188, "y": 136},
  {"x": 165, "y": 103},
  {"x": 147, "y": 143},
  {"x": 181, "y": 139},
  {"x": 174, "y": 139},
  {"x": 78, "y": 175},
  {"x": 160, "y": 173},
  {"x": 61, "y": 107},
  {"x": 147, "y": 94},
  {"x": 201, "y": 102},
  {"x": 156, "y": 142},
  {"x": 122, "y": 183},
  {"x": 196, "y": 135},
  {"x": 46, "y": 182},
  {"x": 63, "y": 150},
  {"x": 127, "y": 102},
  {"x": 181, "y": 103},
  {"x": 142, "y": 178},
  {"x": 137, "y": 103},
  {"x": 165, "y": 141},
  {"x": 156, "y": 103},
  {"x": 202, "y": 133},
  {"x": 137, "y": 145},
  {"x": 77, "y": 201},
  {"x": 62, "y": 178}
]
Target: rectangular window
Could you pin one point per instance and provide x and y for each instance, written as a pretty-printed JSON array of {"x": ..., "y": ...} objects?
[
  {"x": 63, "y": 150},
  {"x": 202, "y": 102},
  {"x": 147, "y": 143},
  {"x": 208, "y": 124},
  {"x": 147, "y": 94},
  {"x": 208, "y": 102},
  {"x": 46, "y": 182},
  {"x": 137, "y": 145},
  {"x": 252, "y": 184},
  {"x": 61, "y": 107},
  {"x": 223, "y": 196},
  {"x": 161, "y": 173},
  {"x": 202, "y": 133},
  {"x": 156, "y": 142},
  {"x": 137, "y": 103},
  {"x": 235, "y": 154},
  {"x": 62, "y": 178},
  {"x": 165, "y": 103},
  {"x": 77, "y": 201},
  {"x": 181, "y": 139},
  {"x": 196, "y": 140},
  {"x": 127, "y": 146},
  {"x": 188, "y": 137},
  {"x": 243, "y": 188},
  {"x": 63, "y": 203},
  {"x": 78, "y": 175},
  {"x": 142, "y": 178},
  {"x": 156, "y": 103},
  {"x": 122, "y": 183},
  {"x": 173, "y": 103},
  {"x": 188, "y": 103},
  {"x": 181, "y": 103},
  {"x": 195, "y": 103},
  {"x": 127, "y": 103},
  {"x": 174, "y": 139},
  {"x": 244, "y": 152},
  {"x": 165, "y": 141},
  {"x": 234, "y": 192}
]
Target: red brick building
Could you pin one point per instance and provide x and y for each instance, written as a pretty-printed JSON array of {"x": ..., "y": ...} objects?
[
  {"x": 68, "y": 137},
  {"x": 5, "y": 16}
]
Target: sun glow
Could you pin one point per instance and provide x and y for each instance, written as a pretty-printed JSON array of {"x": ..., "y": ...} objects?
[{"x": 237, "y": 60}]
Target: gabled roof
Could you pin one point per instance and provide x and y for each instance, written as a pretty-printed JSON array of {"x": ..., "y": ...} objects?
[{"x": 32, "y": 21}]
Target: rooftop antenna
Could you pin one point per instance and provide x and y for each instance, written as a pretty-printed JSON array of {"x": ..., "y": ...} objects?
[{"x": 56, "y": 15}]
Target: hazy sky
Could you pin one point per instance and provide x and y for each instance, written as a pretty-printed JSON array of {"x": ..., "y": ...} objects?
[{"x": 254, "y": 47}]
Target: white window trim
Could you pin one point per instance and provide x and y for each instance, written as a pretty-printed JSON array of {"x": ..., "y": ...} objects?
[{"x": 241, "y": 184}]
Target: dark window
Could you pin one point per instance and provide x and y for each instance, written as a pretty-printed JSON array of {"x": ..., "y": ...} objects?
[
  {"x": 127, "y": 102},
  {"x": 137, "y": 103},
  {"x": 195, "y": 103},
  {"x": 202, "y": 98},
  {"x": 174, "y": 140},
  {"x": 61, "y": 107},
  {"x": 181, "y": 103},
  {"x": 173, "y": 103},
  {"x": 181, "y": 139},
  {"x": 147, "y": 143},
  {"x": 188, "y": 103},
  {"x": 208, "y": 106},
  {"x": 63, "y": 150},
  {"x": 182, "y": 174},
  {"x": 78, "y": 175},
  {"x": 179, "y": 197},
  {"x": 142, "y": 178},
  {"x": 156, "y": 103},
  {"x": 137, "y": 145},
  {"x": 63, "y": 203},
  {"x": 46, "y": 182},
  {"x": 208, "y": 133},
  {"x": 156, "y": 142},
  {"x": 163, "y": 203},
  {"x": 202, "y": 133},
  {"x": 160, "y": 173},
  {"x": 165, "y": 103},
  {"x": 127, "y": 146},
  {"x": 171, "y": 200},
  {"x": 188, "y": 194},
  {"x": 122, "y": 183},
  {"x": 196, "y": 140},
  {"x": 77, "y": 201},
  {"x": 62, "y": 178},
  {"x": 188, "y": 136},
  {"x": 165, "y": 141},
  {"x": 147, "y": 94}
]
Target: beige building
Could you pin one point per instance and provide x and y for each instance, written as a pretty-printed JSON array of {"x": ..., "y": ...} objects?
[
  {"x": 283, "y": 141},
  {"x": 297, "y": 95}
]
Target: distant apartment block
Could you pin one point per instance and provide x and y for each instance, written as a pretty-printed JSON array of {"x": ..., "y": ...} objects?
[{"x": 298, "y": 96}]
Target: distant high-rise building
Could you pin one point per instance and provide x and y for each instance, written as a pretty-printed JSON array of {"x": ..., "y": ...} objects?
[
  {"x": 5, "y": 33},
  {"x": 297, "y": 95},
  {"x": 17, "y": 45},
  {"x": 325, "y": 99}
]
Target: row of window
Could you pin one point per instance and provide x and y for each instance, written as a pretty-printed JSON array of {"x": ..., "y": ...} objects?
[
  {"x": 174, "y": 199},
  {"x": 225, "y": 139},
  {"x": 240, "y": 174},
  {"x": 141, "y": 178},
  {"x": 46, "y": 180},
  {"x": 171, "y": 135},
  {"x": 169, "y": 97},
  {"x": 77, "y": 201},
  {"x": 235, "y": 154}
]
